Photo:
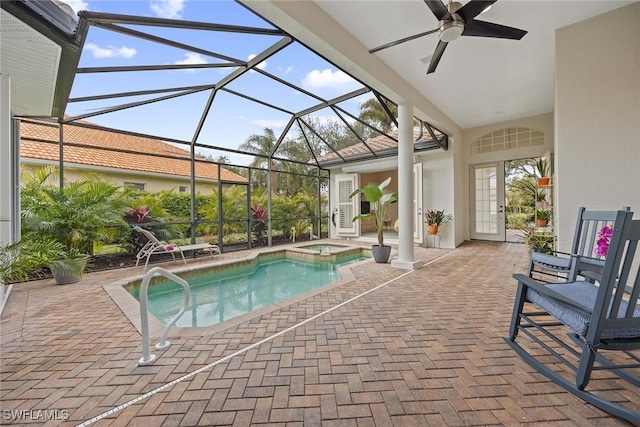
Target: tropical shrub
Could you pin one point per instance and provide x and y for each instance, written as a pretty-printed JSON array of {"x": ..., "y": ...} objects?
[{"x": 78, "y": 215}]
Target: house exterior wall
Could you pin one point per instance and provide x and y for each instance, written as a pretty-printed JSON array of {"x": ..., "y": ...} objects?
[
  {"x": 597, "y": 116},
  {"x": 153, "y": 183},
  {"x": 439, "y": 186}
]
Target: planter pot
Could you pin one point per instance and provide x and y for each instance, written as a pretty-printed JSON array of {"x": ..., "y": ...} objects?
[
  {"x": 541, "y": 222},
  {"x": 66, "y": 271},
  {"x": 381, "y": 253},
  {"x": 543, "y": 182},
  {"x": 433, "y": 229}
]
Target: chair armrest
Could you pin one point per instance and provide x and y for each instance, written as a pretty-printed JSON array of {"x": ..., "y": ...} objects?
[
  {"x": 591, "y": 275},
  {"x": 543, "y": 289}
]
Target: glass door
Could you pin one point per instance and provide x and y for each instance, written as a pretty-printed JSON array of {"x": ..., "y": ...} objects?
[{"x": 487, "y": 202}]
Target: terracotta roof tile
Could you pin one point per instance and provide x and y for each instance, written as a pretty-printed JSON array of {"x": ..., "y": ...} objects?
[
  {"x": 32, "y": 131},
  {"x": 378, "y": 144}
]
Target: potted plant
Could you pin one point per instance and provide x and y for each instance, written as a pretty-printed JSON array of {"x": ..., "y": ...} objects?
[
  {"x": 380, "y": 202},
  {"x": 542, "y": 217},
  {"x": 538, "y": 241},
  {"x": 435, "y": 218},
  {"x": 541, "y": 199},
  {"x": 542, "y": 170},
  {"x": 77, "y": 215}
]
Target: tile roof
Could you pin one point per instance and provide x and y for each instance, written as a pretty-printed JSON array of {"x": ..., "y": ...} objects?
[
  {"x": 97, "y": 151},
  {"x": 380, "y": 144}
]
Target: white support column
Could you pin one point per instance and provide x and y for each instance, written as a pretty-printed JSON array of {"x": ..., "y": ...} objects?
[{"x": 405, "y": 189}]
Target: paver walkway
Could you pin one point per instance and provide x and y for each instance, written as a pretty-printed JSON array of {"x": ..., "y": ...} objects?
[{"x": 425, "y": 349}]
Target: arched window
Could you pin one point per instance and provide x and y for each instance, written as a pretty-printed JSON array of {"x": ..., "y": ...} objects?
[{"x": 506, "y": 139}]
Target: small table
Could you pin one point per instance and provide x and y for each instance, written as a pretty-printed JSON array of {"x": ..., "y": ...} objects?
[{"x": 435, "y": 240}]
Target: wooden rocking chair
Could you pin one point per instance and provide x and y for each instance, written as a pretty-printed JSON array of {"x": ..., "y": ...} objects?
[
  {"x": 582, "y": 257},
  {"x": 601, "y": 318}
]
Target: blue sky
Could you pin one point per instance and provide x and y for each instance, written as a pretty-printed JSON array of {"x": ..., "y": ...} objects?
[{"x": 232, "y": 119}]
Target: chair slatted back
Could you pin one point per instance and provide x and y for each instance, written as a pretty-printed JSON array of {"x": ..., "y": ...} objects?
[
  {"x": 149, "y": 235},
  {"x": 620, "y": 280},
  {"x": 588, "y": 227}
]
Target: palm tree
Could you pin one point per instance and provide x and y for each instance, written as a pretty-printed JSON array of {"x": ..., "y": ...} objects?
[
  {"x": 262, "y": 145},
  {"x": 372, "y": 112}
]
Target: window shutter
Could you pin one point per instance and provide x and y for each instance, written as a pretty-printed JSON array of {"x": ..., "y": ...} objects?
[{"x": 347, "y": 207}]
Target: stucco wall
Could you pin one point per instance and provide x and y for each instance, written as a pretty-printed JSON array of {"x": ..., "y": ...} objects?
[
  {"x": 153, "y": 183},
  {"x": 597, "y": 116},
  {"x": 438, "y": 192}
]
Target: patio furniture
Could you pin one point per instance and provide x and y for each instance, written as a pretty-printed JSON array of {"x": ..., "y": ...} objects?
[
  {"x": 584, "y": 321},
  {"x": 155, "y": 247},
  {"x": 582, "y": 258}
]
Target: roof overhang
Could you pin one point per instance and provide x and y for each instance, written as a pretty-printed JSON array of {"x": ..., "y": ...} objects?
[{"x": 40, "y": 53}]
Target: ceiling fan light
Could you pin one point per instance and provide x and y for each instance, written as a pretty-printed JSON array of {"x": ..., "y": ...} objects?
[{"x": 451, "y": 30}]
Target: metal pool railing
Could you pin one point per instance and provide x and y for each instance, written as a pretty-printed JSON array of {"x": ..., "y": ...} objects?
[{"x": 148, "y": 358}]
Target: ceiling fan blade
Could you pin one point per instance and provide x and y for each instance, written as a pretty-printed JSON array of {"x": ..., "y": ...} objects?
[
  {"x": 473, "y": 9},
  {"x": 439, "y": 9},
  {"x": 437, "y": 54},
  {"x": 397, "y": 42},
  {"x": 477, "y": 28}
]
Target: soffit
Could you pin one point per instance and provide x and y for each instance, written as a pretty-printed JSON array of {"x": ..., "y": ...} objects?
[{"x": 31, "y": 60}]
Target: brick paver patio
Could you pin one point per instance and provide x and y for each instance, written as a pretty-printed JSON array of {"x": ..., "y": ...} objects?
[{"x": 425, "y": 349}]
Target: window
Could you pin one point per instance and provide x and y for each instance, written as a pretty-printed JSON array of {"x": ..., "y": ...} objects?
[
  {"x": 506, "y": 139},
  {"x": 135, "y": 185},
  {"x": 182, "y": 189}
]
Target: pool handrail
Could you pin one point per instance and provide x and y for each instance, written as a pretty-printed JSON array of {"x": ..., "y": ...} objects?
[{"x": 148, "y": 358}]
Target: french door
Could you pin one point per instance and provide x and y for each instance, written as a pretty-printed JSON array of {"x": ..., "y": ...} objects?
[{"x": 487, "y": 202}]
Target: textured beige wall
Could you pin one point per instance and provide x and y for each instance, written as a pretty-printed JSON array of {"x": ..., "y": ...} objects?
[
  {"x": 597, "y": 116},
  {"x": 153, "y": 183}
]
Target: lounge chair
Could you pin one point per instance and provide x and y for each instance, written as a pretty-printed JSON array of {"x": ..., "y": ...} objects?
[
  {"x": 583, "y": 259},
  {"x": 155, "y": 246},
  {"x": 580, "y": 322}
]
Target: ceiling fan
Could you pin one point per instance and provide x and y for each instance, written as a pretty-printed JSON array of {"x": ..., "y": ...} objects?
[{"x": 455, "y": 21}]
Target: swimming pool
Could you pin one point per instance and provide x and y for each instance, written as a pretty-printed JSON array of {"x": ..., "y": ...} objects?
[{"x": 231, "y": 291}]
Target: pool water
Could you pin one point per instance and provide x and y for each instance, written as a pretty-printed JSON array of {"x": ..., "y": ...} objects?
[{"x": 220, "y": 296}]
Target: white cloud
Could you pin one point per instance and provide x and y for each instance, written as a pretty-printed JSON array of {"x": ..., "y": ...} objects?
[
  {"x": 191, "y": 58},
  {"x": 171, "y": 9},
  {"x": 261, "y": 65},
  {"x": 241, "y": 117},
  {"x": 110, "y": 51},
  {"x": 317, "y": 79},
  {"x": 77, "y": 5},
  {"x": 270, "y": 123},
  {"x": 285, "y": 70}
]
